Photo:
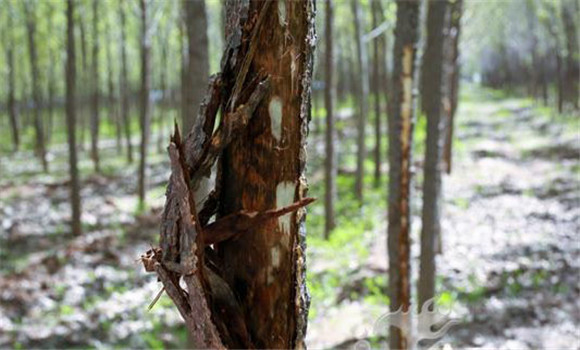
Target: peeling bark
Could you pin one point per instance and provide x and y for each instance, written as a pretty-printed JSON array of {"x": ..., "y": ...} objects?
[
  {"x": 244, "y": 272},
  {"x": 401, "y": 122}
]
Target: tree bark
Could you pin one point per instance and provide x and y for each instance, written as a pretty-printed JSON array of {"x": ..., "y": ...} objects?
[
  {"x": 125, "y": 83},
  {"x": 401, "y": 121},
  {"x": 245, "y": 272},
  {"x": 71, "y": 121},
  {"x": 112, "y": 108},
  {"x": 329, "y": 98},
  {"x": 570, "y": 21},
  {"x": 379, "y": 52},
  {"x": 456, "y": 11},
  {"x": 197, "y": 64},
  {"x": 145, "y": 115},
  {"x": 363, "y": 91},
  {"x": 437, "y": 104},
  {"x": 95, "y": 87},
  {"x": 11, "y": 102},
  {"x": 30, "y": 15}
]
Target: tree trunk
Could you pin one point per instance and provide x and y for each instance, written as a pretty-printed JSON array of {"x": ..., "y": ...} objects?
[
  {"x": 570, "y": 11},
  {"x": 11, "y": 102},
  {"x": 362, "y": 95},
  {"x": 30, "y": 15},
  {"x": 71, "y": 121},
  {"x": 197, "y": 65},
  {"x": 247, "y": 292},
  {"x": 401, "y": 121},
  {"x": 456, "y": 11},
  {"x": 83, "y": 77},
  {"x": 378, "y": 66},
  {"x": 329, "y": 97},
  {"x": 125, "y": 83},
  {"x": 112, "y": 108},
  {"x": 163, "y": 82},
  {"x": 144, "y": 100},
  {"x": 437, "y": 104},
  {"x": 95, "y": 85}
]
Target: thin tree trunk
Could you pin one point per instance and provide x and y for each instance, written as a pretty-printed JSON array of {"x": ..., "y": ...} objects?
[
  {"x": 145, "y": 107},
  {"x": 456, "y": 12},
  {"x": 329, "y": 97},
  {"x": 362, "y": 94},
  {"x": 11, "y": 102},
  {"x": 163, "y": 81},
  {"x": 570, "y": 20},
  {"x": 197, "y": 66},
  {"x": 36, "y": 88},
  {"x": 401, "y": 121},
  {"x": 378, "y": 57},
  {"x": 71, "y": 122},
  {"x": 125, "y": 83},
  {"x": 95, "y": 118},
  {"x": 437, "y": 104},
  {"x": 83, "y": 76},
  {"x": 112, "y": 108}
]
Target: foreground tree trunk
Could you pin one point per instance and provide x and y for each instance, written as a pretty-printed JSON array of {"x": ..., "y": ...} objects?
[
  {"x": 71, "y": 121},
  {"x": 437, "y": 107},
  {"x": 401, "y": 121},
  {"x": 95, "y": 85},
  {"x": 125, "y": 83},
  {"x": 247, "y": 292},
  {"x": 145, "y": 117},
  {"x": 36, "y": 88},
  {"x": 329, "y": 97},
  {"x": 197, "y": 60},
  {"x": 362, "y": 95}
]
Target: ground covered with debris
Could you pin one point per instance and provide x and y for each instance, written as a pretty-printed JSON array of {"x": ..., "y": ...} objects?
[{"x": 508, "y": 270}]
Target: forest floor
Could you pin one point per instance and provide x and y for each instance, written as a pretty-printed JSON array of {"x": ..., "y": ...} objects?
[{"x": 509, "y": 266}]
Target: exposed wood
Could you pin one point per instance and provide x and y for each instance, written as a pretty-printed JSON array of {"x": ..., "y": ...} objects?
[{"x": 401, "y": 122}]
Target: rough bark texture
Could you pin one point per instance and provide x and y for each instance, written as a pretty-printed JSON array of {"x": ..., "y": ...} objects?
[
  {"x": 248, "y": 289},
  {"x": 437, "y": 106},
  {"x": 36, "y": 87},
  {"x": 401, "y": 121},
  {"x": 362, "y": 96},
  {"x": 456, "y": 11},
  {"x": 125, "y": 82},
  {"x": 329, "y": 97},
  {"x": 95, "y": 87},
  {"x": 145, "y": 112},
  {"x": 71, "y": 121},
  {"x": 264, "y": 168},
  {"x": 197, "y": 60}
]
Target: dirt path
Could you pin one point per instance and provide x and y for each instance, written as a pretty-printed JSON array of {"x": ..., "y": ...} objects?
[{"x": 511, "y": 245}]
